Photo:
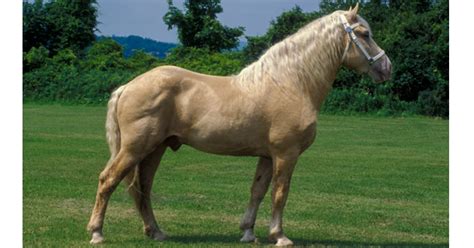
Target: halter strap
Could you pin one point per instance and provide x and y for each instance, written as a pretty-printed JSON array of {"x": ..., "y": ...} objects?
[{"x": 350, "y": 30}]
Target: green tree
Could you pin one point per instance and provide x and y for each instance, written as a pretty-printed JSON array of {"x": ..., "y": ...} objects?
[
  {"x": 198, "y": 25},
  {"x": 284, "y": 25},
  {"x": 420, "y": 51},
  {"x": 59, "y": 24},
  {"x": 205, "y": 61},
  {"x": 35, "y": 25},
  {"x": 105, "y": 55},
  {"x": 417, "y": 6},
  {"x": 256, "y": 45},
  {"x": 329, "y": 6},
  {"x": 34, "y": 58},
  {"x": 73, "y": 24}
]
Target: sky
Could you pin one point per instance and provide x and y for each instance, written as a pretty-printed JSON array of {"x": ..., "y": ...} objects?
[{"x": 145, "y": 17}]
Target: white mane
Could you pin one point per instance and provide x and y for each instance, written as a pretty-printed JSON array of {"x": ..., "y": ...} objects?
[{"x": 303, "y": 59}]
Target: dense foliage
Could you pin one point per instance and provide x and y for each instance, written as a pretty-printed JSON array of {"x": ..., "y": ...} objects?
[
  {"x": 59, "y": 24},
  {"x": 91, "y": 79},
  {"x": 286, "y": 24},
  {"x": 199, "y": 27},
  {"x": 415, "y": 34}
]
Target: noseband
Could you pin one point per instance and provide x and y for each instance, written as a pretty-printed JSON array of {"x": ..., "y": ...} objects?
[{"x": 350, "y": 30}]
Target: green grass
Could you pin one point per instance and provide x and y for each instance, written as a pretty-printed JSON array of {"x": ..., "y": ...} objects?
[{"x": 367, "y": 181}]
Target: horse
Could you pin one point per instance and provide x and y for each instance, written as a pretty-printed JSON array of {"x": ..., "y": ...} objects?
[{"x": 268, "y": 110}]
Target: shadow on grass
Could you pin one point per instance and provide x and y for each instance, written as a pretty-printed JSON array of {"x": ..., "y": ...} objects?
[
  {"x": 230, "y": 239},
  {"x": 192, "y": 239},
  {"x": 343, "y": 243}
]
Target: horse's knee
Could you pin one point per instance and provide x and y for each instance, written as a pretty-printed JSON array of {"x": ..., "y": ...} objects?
[
  {"x": 107, "y": 183},
  {"x": 103, "y": 176}
]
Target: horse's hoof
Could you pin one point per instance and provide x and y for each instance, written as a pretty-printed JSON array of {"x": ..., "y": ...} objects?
[
  {"x": 284, "y": 241},
  {"x": 97, "y": 238},
  {"x": 248, "y": 236},
  {"x": 158, "y": 236}
]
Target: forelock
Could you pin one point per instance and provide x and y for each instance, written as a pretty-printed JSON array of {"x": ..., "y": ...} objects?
[{"x": 364, "y": 23}]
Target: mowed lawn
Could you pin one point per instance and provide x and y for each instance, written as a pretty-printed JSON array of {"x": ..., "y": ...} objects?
[{"x": 366, "y": 181}]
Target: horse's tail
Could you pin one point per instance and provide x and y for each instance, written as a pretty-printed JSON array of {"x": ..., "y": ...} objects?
[
  {"x": 111, "y": 124},
  {"x": 113, "y": 138}
]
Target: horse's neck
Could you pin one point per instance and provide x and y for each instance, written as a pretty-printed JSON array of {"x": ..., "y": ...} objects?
[
  {"x": 320, "y": 58},
  {"x": 306, "y": 62}
]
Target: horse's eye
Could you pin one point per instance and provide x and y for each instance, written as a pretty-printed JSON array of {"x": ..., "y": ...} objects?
[{"x": 366, "y": 34}]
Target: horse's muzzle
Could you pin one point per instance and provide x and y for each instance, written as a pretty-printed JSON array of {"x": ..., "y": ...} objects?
[{"x": 382, "y": 70}]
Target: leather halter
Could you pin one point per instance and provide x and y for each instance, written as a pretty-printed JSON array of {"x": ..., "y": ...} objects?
[{"x": 350, "y": 30}]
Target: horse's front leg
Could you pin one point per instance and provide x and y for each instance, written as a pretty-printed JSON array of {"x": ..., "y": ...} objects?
[
  {"x": 283, "y": 166},
  {"x": 261, "y": 181}
]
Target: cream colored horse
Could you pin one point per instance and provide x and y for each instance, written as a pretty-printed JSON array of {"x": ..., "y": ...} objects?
[{"x": 268, "y": 110}]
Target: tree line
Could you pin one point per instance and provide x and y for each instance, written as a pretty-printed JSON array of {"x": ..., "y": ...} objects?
[{"x": 63, "y": 60}]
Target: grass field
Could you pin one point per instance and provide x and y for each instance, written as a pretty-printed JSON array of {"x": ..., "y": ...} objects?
[{"x": 367, "y": 181}]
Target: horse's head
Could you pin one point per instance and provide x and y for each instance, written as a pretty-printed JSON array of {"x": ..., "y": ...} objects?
[{"x": 361, "y": 53}]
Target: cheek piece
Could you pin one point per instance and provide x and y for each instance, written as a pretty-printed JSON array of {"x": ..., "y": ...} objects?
[{"x": 350, "y": 31}]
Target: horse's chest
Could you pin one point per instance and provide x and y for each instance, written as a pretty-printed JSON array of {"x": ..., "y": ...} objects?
[
  {"x": 294, "y": 134},
  {"x": 308, "y": 135}
]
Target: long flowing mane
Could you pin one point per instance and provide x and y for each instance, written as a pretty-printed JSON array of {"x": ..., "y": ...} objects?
[{"x": 310, "y": 56}]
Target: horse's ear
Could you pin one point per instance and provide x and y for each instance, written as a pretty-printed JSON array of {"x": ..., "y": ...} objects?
[{"x": 353, "y": 11}]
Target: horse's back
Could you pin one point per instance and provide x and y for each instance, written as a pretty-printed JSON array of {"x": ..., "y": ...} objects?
[
  {"x": 171, "y": 75},
  {"x": 172, "y": 81}
]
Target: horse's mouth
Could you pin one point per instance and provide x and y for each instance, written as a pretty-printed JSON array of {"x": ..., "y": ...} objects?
[
  {"x": 379, "y": 77},
  {"x": 381, "y": 71}
]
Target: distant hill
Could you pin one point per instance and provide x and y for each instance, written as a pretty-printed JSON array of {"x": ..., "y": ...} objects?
[{"x": 133, "y": 42}]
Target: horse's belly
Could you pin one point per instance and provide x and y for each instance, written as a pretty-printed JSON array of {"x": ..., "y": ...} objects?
[
  {"x": 225, "y": 149},
  {"x": 228, "y": 141}
]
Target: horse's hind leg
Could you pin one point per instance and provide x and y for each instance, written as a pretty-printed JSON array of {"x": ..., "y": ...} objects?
[
  {"x": 109, "y": 178},
  {"x": 262, "y": 179},
  {"x": 140, "y": 185}
]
